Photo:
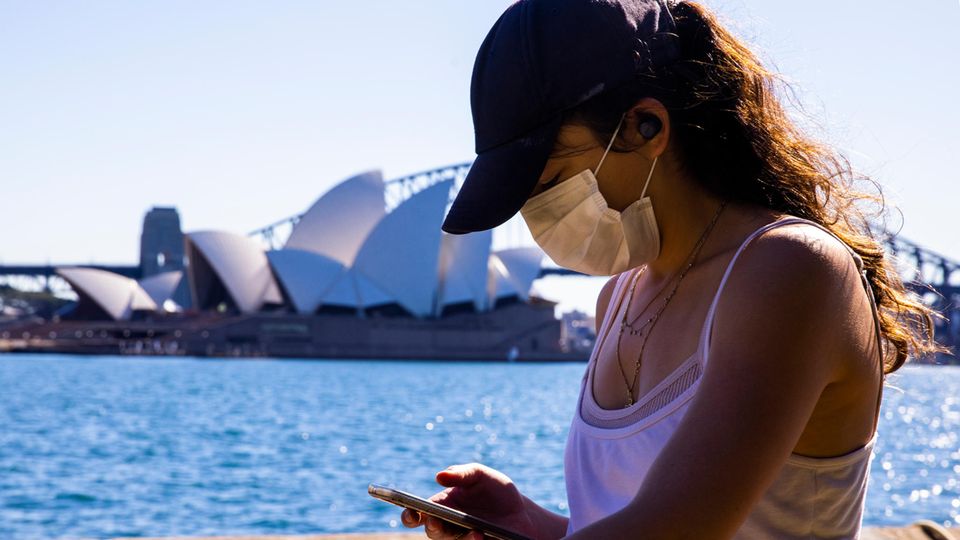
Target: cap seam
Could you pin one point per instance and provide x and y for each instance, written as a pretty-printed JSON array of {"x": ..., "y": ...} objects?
[{"x": 527, "y": 53}]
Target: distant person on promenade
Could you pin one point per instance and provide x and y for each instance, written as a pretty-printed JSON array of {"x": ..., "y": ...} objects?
[{"x": 743, "y": 340}]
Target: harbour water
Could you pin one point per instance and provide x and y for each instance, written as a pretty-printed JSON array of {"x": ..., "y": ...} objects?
[{"x": 94, "y": 447}]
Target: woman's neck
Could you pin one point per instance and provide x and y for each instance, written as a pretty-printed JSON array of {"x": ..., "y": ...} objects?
[{"x": 685, "y": 213}]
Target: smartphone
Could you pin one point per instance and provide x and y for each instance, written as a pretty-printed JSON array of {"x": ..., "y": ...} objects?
[{"x": 411, "y": 501}]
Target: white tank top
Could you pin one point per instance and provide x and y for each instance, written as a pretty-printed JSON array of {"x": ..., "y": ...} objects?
[{"x": 609, "y": 452}]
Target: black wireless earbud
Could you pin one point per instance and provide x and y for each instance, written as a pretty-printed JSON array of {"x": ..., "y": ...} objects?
[{"x": 649, "y": 127}]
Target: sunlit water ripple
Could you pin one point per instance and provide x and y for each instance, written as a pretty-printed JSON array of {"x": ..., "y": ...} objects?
[{"x": 104, "y": 446}]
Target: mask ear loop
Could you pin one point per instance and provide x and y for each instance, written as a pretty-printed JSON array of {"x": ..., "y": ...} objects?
[
  {"x": 649, "y": 176},
  {"x": 609, "y": 145}
]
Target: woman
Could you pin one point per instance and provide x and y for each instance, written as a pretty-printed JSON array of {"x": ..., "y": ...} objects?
[{"x": 734, "y": 388}]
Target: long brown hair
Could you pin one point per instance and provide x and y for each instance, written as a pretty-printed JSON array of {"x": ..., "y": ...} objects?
[{"x": 733, "y": 135}]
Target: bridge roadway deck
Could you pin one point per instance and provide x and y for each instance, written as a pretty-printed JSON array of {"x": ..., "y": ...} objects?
[
  {"x": 49, "y": 270},
  {"x": 42, "y": 270}
]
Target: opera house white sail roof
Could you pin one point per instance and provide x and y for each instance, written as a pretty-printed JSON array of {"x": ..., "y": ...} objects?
[
  {"x": 229, "y": 267},
  {"x": 307, "y": 277},
  {"x": 464, "y": 270},
  {"x": 513, "y": 271},
  {"x": 338, "y": 223},
  {"x": 345, "y": 251},
  {"x": 401, "y": 253},
  {"x": 118, "y": 296},
  {"x": 162, "y": 286}
]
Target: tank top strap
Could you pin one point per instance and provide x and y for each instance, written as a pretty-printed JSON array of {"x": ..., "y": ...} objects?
[
  {"x": 613, "y": 310},
  {"x": 616, "y": 298},
  {"x": 865, "y": 281},
  {"x": 708, "y": 321}
]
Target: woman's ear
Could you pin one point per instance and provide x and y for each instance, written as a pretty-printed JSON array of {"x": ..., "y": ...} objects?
[{"x": 647, "y": 128}]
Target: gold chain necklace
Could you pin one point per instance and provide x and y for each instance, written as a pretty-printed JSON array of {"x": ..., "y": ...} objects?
[{"x": 650, "y": 323}]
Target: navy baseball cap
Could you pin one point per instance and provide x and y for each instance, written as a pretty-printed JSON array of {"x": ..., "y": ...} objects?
[{"x": 541, "y": 58}]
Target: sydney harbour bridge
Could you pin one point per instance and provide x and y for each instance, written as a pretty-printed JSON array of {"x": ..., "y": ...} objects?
[{"x": 934, "y": 278}]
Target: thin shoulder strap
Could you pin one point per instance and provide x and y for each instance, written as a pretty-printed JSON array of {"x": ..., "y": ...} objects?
[
  {"x": 616, "y": 298},
  {"x": 609, "y": 318},
  {"x": 708, "y": 322}
]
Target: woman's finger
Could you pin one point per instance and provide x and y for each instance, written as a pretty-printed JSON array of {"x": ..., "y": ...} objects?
[
  {"x": 437, "y": 529},
  {"x": 434, "y": 528},
  {"x": 410, "y": 518}
]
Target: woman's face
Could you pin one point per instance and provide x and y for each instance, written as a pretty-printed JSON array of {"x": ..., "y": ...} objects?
[{"x": 621, "y": 177}]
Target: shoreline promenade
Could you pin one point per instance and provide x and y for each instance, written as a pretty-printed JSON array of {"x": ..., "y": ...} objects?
[{"x": 912, "y": 532}]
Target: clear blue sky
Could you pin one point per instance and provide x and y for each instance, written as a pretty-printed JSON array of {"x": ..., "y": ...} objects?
[{"x": 241, "y": 113}]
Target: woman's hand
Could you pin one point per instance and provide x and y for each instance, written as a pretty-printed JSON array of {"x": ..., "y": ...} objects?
[{"x": 480, "y": 491}]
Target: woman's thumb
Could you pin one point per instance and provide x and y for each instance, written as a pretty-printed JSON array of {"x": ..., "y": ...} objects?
[{"x": 459, "y": 475}]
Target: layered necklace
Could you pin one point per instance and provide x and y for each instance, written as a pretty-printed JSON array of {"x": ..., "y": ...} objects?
[{"x": 646, "y": 327}]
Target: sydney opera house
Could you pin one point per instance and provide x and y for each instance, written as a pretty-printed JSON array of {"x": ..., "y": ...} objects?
[{"x": 355, "y": 278}]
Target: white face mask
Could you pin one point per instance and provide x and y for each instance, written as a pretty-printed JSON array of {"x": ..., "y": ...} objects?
[{"x": 573, "y": 225}]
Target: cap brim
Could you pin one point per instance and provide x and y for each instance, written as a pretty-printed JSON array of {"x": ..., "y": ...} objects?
[{"x": 500, "y": 181}]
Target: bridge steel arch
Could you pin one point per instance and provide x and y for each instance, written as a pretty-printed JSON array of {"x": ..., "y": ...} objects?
[{"x": 935, "y": 279}]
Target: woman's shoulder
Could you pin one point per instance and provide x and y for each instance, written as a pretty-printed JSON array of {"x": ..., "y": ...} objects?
[
  {"x": 796, "y": 272},
  {"x": 797, "y": 247},
  {"x": 767, "y": 241}
]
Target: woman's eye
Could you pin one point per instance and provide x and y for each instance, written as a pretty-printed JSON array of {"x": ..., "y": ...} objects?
[
  {"x": 543, "y": 186},
  {"x": 553, "y": 181}
]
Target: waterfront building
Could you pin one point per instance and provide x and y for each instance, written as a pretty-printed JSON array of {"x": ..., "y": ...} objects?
[{"x": 355, "y": 279}]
